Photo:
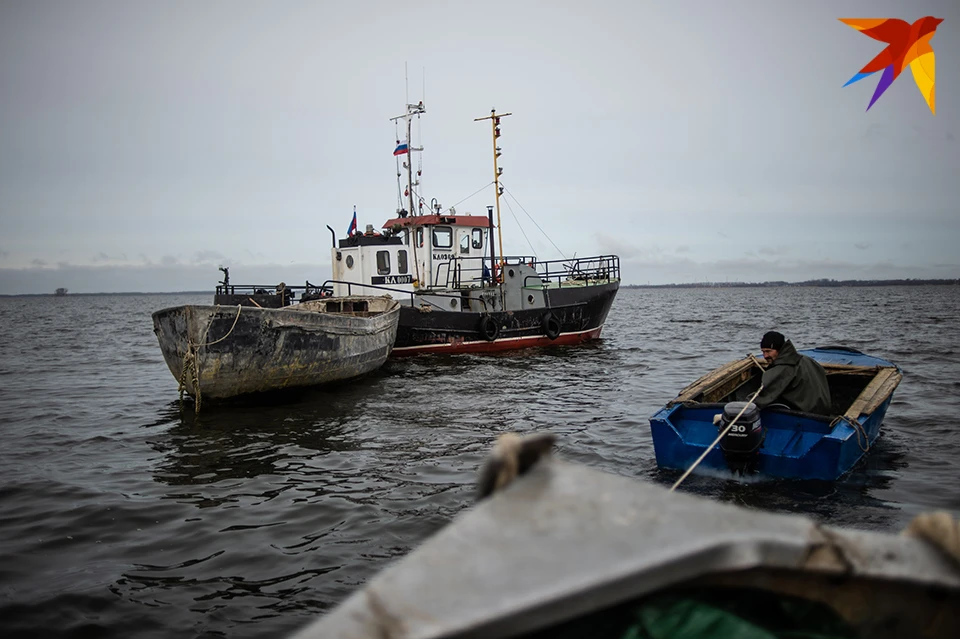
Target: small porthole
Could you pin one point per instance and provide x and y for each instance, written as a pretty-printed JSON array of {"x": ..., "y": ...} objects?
[
  {"x": 453, "y": 303},
  {"x": 510, "y": 272},
  {"x": 530, "y": 298},
  {"x": 349, "y": 261}
]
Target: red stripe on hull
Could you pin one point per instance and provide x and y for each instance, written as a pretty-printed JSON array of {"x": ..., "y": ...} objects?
[{"x": 506, "y": 344}]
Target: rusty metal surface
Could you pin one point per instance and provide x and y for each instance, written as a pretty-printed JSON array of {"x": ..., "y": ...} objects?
[
  {"x": 565, "y": 540},
  {"x": 245, "y": 350}
]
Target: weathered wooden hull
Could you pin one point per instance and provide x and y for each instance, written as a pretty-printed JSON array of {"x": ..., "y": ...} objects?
[
  {"x": 225, "y": 351},
  {"x": 796, "y": 445}
]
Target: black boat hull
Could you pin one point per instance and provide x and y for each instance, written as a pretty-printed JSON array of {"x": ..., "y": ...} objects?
[{"x": 573, "y": 315}]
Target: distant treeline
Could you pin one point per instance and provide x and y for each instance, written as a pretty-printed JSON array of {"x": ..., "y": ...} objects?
[{"x": 820, "y": 282}]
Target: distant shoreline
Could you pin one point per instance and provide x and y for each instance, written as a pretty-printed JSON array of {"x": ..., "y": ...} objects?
[{"x": 823, "y": 283}]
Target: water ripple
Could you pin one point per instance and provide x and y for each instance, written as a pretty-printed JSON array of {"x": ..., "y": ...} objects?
[{"x": 124, "y": 515}]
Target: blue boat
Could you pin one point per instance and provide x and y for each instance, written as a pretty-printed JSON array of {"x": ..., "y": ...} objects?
[{"x": 781, "y": 442}]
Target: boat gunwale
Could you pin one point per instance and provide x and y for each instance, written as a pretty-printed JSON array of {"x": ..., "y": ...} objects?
[{"x": 886, "y": 378}]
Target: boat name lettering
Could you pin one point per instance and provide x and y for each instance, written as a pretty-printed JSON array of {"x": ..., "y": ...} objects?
[{"x": 392, "y": 279}]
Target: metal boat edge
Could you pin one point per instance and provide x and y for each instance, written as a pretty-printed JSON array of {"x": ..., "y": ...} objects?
[{"x": 565, "y": 540}]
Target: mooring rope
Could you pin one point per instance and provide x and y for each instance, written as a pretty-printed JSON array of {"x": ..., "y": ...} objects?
[
  {"x": 717, "y": 440},
  {"x": 858, "y": 429},
  {"x": 756, "y": 363},
  {"x": 239, "y": 308},
  {"x": 191, "y": 357}
]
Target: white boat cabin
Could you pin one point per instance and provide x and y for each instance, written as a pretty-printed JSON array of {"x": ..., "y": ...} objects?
[{"x": 415, "y": 253}]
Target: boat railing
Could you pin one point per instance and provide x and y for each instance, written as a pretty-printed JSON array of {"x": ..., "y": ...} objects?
[
  {"x": 284, "y": 292},
  {"x": 414, "y": 296},
  {"x": 461, "y": 272},
  {"x": 594, "y": 269}
]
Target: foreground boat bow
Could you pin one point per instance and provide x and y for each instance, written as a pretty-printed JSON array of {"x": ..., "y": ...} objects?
[{"x": 564, "y": 550}]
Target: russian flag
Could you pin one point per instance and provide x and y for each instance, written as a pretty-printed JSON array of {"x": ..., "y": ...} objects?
[
  {"x": 353, "y": 224},
  {"x": 401, "y": 148}
]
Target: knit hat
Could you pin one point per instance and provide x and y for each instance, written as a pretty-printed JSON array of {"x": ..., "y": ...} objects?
[{"x": 772, "y": 339}]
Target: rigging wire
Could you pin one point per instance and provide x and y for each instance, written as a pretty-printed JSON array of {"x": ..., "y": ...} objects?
[
  {"x": 529, "y": 243},
  {"x": 535, "y": 223},
  {"x": 472, "y": 194},
  {"x": 423, "y": 100},
  {"x": 419, "y": 161}
]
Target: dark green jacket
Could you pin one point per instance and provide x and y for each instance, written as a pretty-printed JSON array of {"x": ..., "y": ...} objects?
[{"x": 797, "y": 381}]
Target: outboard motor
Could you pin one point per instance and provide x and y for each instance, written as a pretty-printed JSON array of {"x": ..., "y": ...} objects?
[{"x": 741, "y": 445}]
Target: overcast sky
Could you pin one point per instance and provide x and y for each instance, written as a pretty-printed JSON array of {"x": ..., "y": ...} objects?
[{"x": 142, "y": 144}]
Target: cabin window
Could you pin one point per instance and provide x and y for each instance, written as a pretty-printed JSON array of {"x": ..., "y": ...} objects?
[
  {"x": 442, "y": 237},
  {"x": 406, "y": 237},
  {"x": 383, "y": 262},
  {"x": 465, "y": 244},
  {"x": 349, "y": 261},
  {"x": 478, "y": 238},
  {"x": 402, "y": 262},
  {"x": 420, "y": 237}
]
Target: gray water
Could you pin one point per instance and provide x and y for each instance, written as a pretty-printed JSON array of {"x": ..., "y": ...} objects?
[{"x": 124, "y": 516}]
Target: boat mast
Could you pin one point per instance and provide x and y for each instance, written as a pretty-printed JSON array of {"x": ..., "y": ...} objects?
[
  {"x": 412, "y": 110},
  {"x": 494, "y": 118}
]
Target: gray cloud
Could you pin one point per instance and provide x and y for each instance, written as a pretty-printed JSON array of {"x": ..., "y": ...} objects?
[
  {"x": 773, "y": 250},
  {"x": 204, "y": 144},
  {"x": 203, "y": 257}
]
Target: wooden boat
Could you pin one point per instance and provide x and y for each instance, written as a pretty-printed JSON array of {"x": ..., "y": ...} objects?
[
  {"x": 782, "y": 443},
  {"x": 457, "y": 293},
  {"x": 219, "y": 352},
  {"x": 568, "y": 551}
]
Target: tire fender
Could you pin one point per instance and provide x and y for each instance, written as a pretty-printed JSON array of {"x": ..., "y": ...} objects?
[
  {"x": 550, "y": 325},
  {"x": 489, "y": 328}
]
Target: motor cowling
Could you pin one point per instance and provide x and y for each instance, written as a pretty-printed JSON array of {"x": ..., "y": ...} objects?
[{"x": 741, "y": 444}]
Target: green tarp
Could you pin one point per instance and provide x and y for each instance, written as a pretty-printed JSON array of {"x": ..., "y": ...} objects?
[{"x": 734, "y": 613}]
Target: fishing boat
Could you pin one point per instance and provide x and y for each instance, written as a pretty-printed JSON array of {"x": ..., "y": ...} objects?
[
  {"x": 566, "y": 551},
  {"x": 219, "y": 352},
  {"x": 457, "y": 292},
  {"x": 777, "y": 441}
]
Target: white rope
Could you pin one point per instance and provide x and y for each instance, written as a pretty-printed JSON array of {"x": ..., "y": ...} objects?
[{"x": 717, "y": 440}]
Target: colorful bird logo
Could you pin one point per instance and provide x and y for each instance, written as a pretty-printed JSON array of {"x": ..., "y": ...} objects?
[{"x": 906, "y": 44}]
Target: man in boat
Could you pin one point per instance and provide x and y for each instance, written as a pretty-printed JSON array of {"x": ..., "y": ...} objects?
[{"x": 792, "y": 379}]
